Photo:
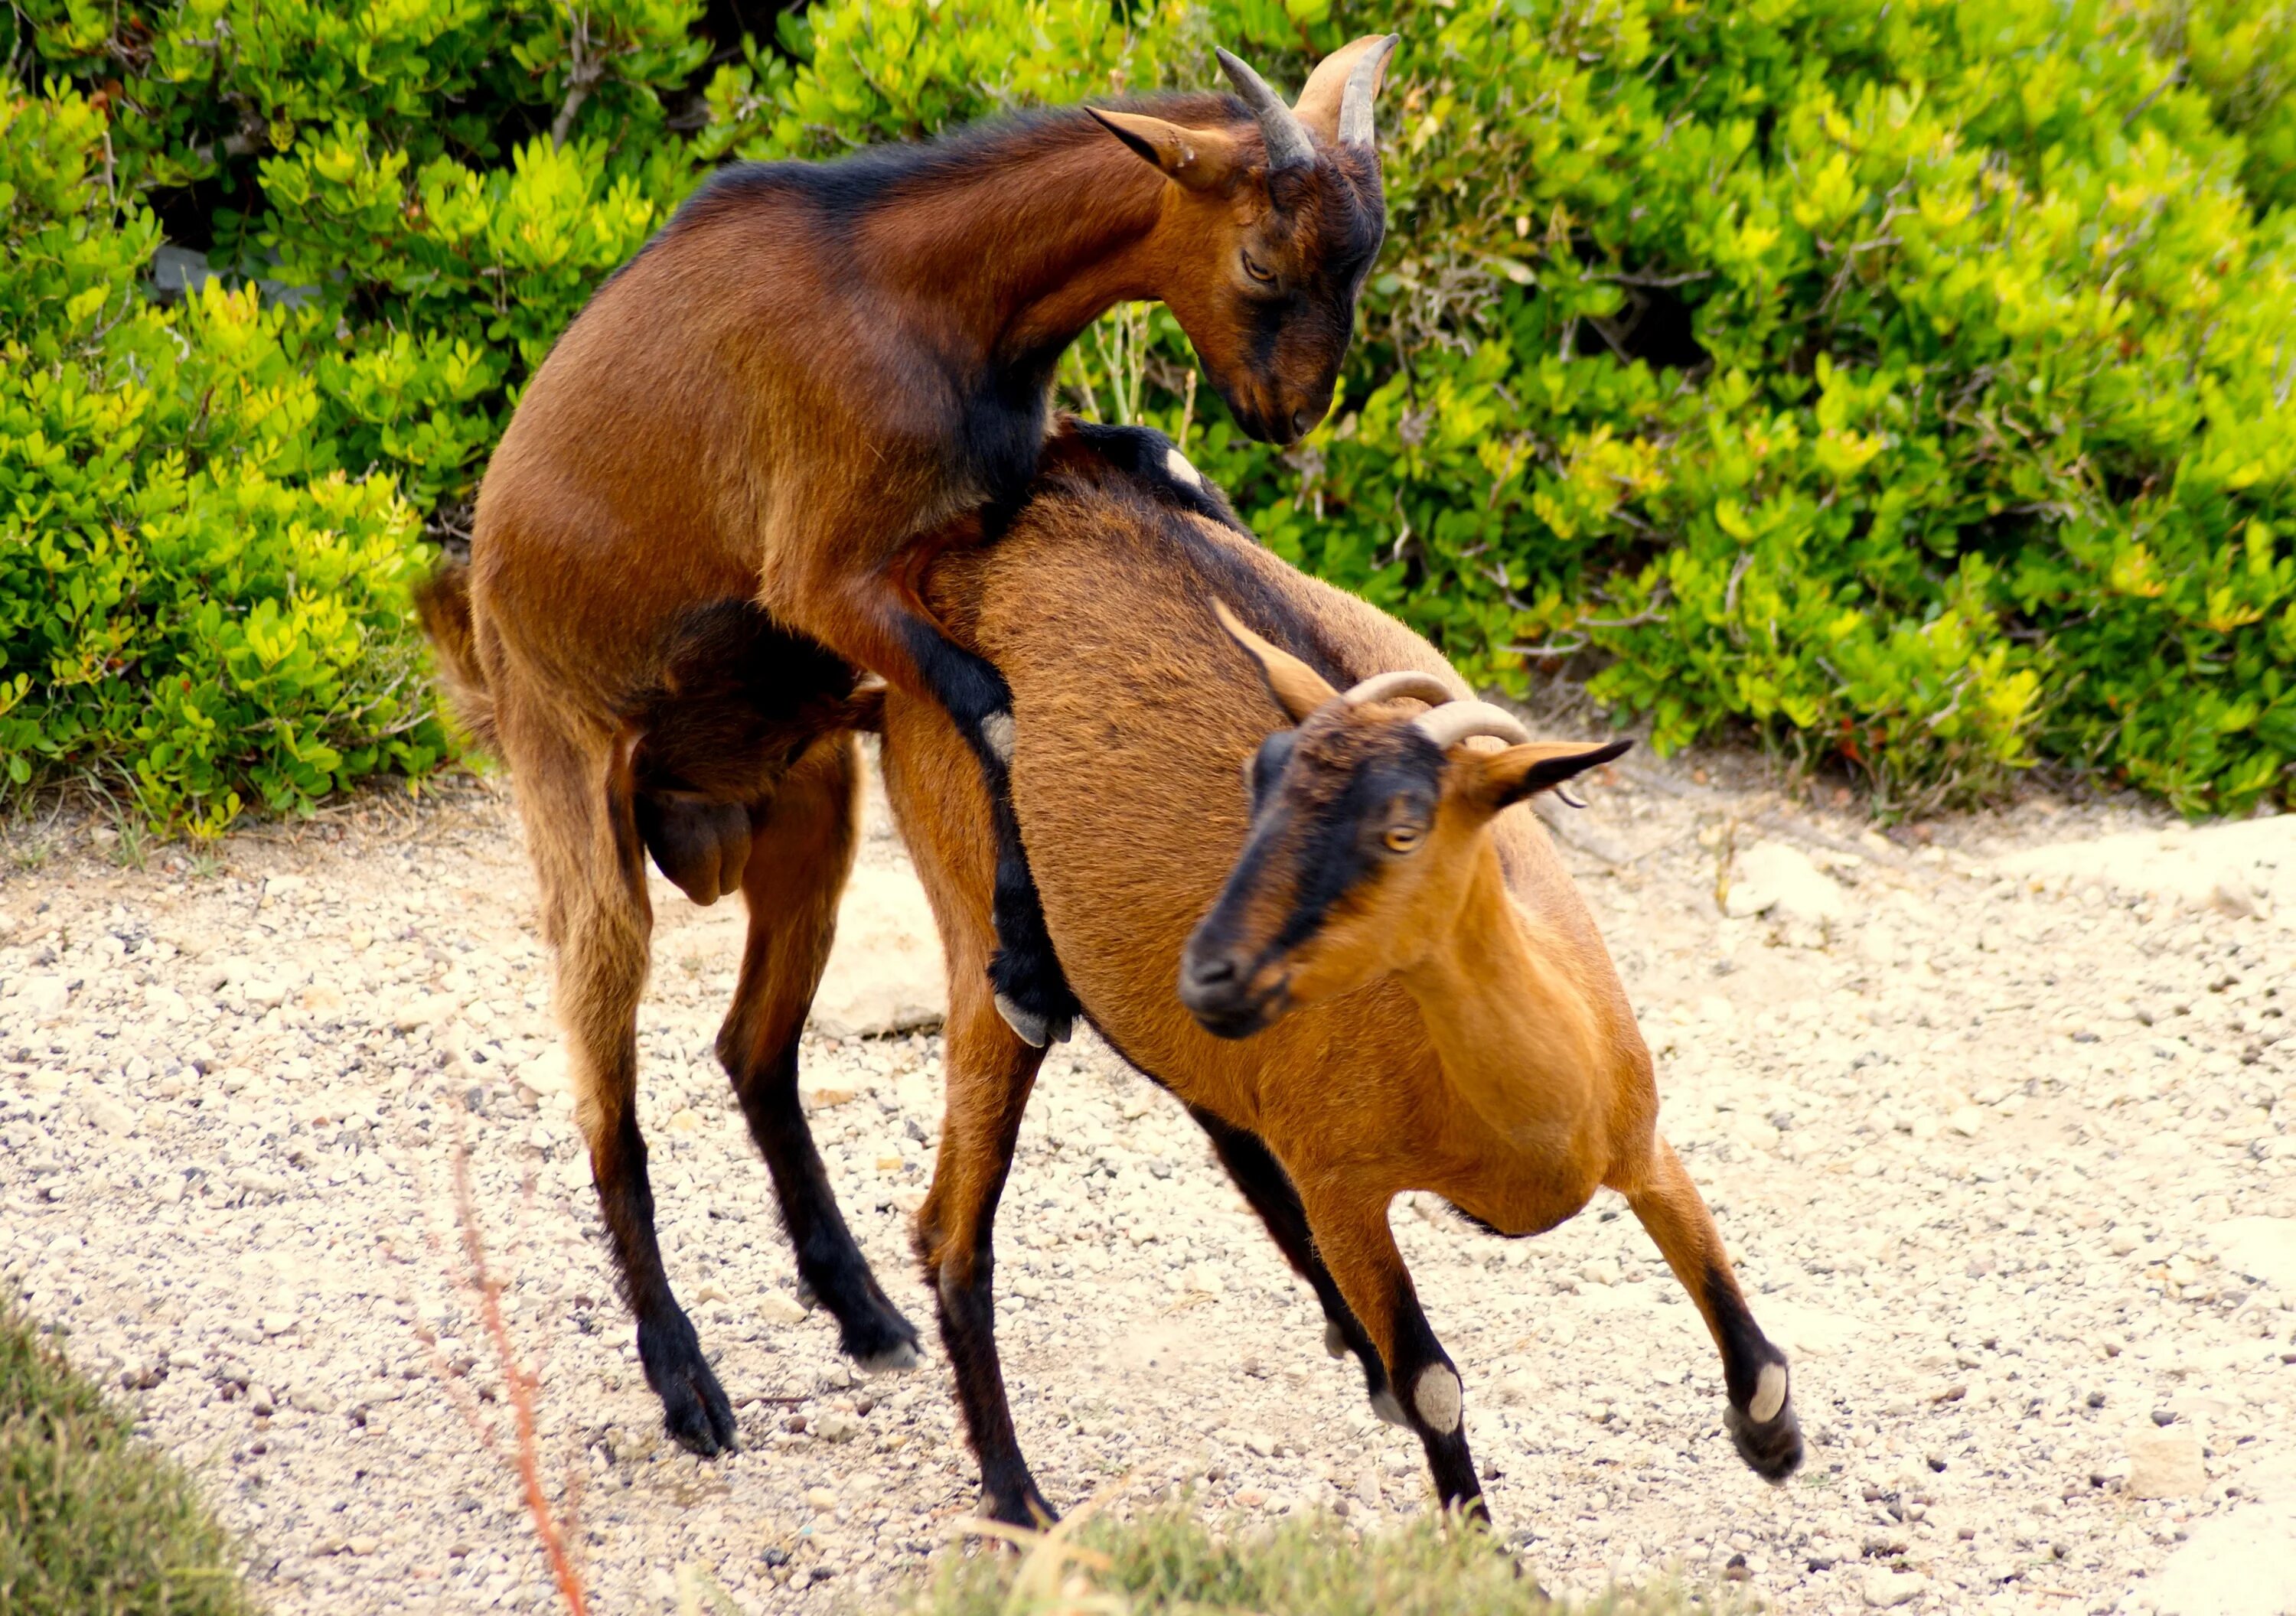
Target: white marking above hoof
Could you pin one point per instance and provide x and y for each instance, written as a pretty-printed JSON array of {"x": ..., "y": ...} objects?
[
  {"x": 1769, "y": 1394},
  {"x": 997, "y": 732},
  {"x": 1436, "y": 1395},
  {"x": 1335, "y": 1339},
  {"x": 1383, "y": 1404},
  {"x": 1177, "y": 463}
]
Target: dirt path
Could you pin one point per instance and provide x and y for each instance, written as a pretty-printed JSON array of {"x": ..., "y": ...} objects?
[{"x": 2004, "y": 1138}]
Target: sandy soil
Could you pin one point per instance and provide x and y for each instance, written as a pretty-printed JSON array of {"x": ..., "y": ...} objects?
[{"x": 2000, "y": 1129}]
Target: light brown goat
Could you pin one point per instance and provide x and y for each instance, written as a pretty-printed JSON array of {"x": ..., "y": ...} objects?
[
  {"x": 712, "y": 505},
  {"x": 1406, "y": 989}
]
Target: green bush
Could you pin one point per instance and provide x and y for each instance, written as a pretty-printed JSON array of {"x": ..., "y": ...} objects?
[
  {"x": 195, "y": 601},
  {"x": 94, "y": 1523},
  {"x": 1907, "y": 383}
]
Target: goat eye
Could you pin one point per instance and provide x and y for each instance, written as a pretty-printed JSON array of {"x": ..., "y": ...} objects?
[
  {"x": 1403, "y": 839},
  {"x": 1251, "y": 268}
]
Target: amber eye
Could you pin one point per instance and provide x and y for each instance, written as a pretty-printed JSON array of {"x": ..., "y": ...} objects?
[
  {"x": 1403, "y": 839},
  {"x": 1251, "y": 268}
]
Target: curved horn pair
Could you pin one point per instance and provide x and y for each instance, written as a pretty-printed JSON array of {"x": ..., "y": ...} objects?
[
  {"x": 1289, "y": 144},
  {"x": 1449, "y": 720}
]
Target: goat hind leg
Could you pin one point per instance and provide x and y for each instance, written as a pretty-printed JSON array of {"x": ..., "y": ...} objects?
[
  {"x": 801, "y": 851},
  {"x": 1264, "y": 1183},
  {"x": 1760, "y": 1418},
  {"x": 579, "y": 810}
]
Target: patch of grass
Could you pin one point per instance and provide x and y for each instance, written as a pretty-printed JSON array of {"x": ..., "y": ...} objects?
[
  {"x": 93, "y": 1522},
  {"x": 1171, "y": 1563}
]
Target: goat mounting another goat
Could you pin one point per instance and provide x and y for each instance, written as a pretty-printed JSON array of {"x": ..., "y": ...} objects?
[
  {"x": 708, "y": 508},
  {"x": 1390, "y": 981}
]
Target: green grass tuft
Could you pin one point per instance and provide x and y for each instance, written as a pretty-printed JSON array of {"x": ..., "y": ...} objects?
[
  {"x": 93, "y": 1522},
  {"x": 1171, "y": 1563}
]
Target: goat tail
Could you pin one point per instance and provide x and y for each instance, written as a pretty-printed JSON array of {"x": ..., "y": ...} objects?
[{"x": 443, "y": 603}]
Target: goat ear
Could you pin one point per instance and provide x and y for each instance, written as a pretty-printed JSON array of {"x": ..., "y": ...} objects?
[
  {"x": 1508, "y": 777},
  {"x": 1320, "y": 99},
  {"x": 1297, "y": 688},
  {"x": 1197, "y": 159}
]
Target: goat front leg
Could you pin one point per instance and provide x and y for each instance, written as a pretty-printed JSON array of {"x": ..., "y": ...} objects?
[
  {"x": 990, "y": 1073},
  {"x": 885, "y": 629},
  {"x": 1351, "y": 1232},
  {"x": 1264, "y": 1183},
  {"x": 1760, "y": 1418}
]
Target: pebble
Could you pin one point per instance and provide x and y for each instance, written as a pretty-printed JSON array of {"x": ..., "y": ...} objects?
[
  {"x": 1885, "y": 1589},
  {"x": 2165, "y": 1463}
]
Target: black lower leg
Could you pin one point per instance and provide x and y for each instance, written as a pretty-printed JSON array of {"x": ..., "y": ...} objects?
[
  {"x": 1268, "y": 1188},
  {"x": 694, "y": 1407},
  {"x": 1761, "y": 1419},
  {"x": 1032, "y": 993},
  {"x": 968, "y": 1331},
  {"x": 1427, "y": 1385},
  {"x": 871, "y": 1329}
]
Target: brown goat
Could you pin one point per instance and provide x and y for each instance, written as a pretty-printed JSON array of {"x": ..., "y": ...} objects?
[
  {"x": 1429, "y": 1006},
  {"x": 707, "y": 508}
]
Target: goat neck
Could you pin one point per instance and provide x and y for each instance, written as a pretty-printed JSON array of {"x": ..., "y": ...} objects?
[
  {"x": 1507, "y": 1009},
  {"x": 1020, "y": 253}
]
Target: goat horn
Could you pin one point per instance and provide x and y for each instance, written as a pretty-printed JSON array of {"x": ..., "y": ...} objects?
[
  {"x": 1395, "y": 687},
  {"x": 1362, "y": 89},
  {"x": 1453, "y": 721},
  {"x": 1288, "y": 142}
]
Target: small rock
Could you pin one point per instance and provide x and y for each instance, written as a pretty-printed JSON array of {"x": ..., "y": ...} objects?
[
  {"x": 2165, "y": 1463},
  {"x": 821, "y": 1499},
  {"x": 109, "y": 1115},
  {"x": 885, "y": 973},
  {"x": 1773, "y": 879},
  {"x": 312, "y": 1400},
  {"x": 777, "y": 1307},
  {"x": 362, "y": 1546},
  {"x": 1965, "y": 1121},
  {"x": 44, "y": 995},
  {"x": 836, "y": 1426},
  {"x": 2264, "y": 1249},
  {"x": 1886, "y": 1588},
  {"x": 259, "y": 1399}
]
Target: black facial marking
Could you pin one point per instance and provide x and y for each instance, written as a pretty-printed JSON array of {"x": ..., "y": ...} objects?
[{"x": 1338, "y": 849}]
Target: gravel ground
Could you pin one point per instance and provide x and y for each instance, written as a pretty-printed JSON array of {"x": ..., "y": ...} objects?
[{"x": 2002, "y": 1134}]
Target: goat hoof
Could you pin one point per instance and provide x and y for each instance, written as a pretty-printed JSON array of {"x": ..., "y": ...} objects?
[
  {"x": 808, "y": 1297},
  {"x": 901, "y": 1355},
  {"x": 1063, "y": 1028},
  {"x": 1335, "y": 1339},
  {"x": 1383, "y": 1404},
  {"x": 1032, "y": 1029},
  {"x": 1771, "y": 1448},
  {"x": 1022, "y": 1506},
  {"x": 694, "y": 1409}
]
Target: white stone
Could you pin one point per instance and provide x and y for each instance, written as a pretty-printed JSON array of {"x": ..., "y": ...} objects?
[
  {"x": 1884, "y": 1588},
  {"x": 2262, "y": 1248},
  {"x": 109, "y": 1115},
  {"x": 2165, "y": 1463},
  {"x": 2239, "y": 1563},
  {"x": 2247, "y": 867},
  {"x": 44, "y": 995},
  {"x": 1771, "y": 878},
  {"x": 886, "y": 972}
]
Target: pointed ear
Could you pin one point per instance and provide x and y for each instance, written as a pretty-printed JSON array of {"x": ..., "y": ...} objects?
[
  {"x": 1197, "y": 159},
  {"x": 1319, "y": 106},
  {"x": 1508, "y": 777},
  {"x": 1298, "y": 689}
]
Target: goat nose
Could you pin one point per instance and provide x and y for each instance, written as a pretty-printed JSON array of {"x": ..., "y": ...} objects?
[{"x": 1216, "y": 972}]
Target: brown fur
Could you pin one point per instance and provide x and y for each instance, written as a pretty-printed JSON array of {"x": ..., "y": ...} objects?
[
  {"x": 1466, "y": 1035},
  {"x": 711, "y": 505}
]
